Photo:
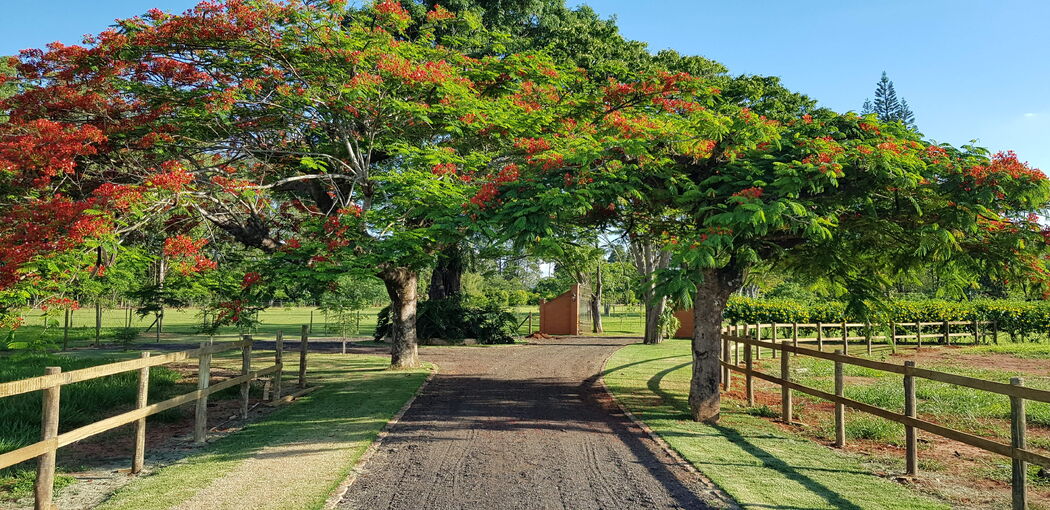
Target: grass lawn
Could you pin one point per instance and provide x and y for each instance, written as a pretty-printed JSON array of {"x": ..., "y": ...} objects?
[
  {"x": 183, "y": 325},
  {"x": 296, "y": 456},
  {"x": 755, "y": 461}
]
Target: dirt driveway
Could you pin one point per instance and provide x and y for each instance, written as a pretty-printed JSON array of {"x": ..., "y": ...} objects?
[{"x": 522, "y": 427}]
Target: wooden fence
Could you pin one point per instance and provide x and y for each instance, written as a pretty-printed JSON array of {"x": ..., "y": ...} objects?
[
  {"x": 842, "y": 333},
  {"x": 50, "y": 384},
  {"x": 735, "y": 336}
]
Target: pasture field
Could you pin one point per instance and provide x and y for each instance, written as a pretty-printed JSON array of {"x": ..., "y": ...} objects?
[
  {"x": 653, "y": 382},
  {"x": 184, "y": 325}
]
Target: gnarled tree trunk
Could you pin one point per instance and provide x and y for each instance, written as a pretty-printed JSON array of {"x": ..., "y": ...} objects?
[
  {"x": 447, "y": 279},
  {"x": 711, "y": 296},
  {"x": 401, "y": 287}
]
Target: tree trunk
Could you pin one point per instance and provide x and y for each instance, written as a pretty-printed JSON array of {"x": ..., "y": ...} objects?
[
  {"x": 653, "y": 313},
  {"x": 98, "y": 321},
  {"x": 401, "y": 287},
  {"x": 647, "y": 260},
  {"x": 711, "y": 296},
  {"x": 596, "y": 301},
  {"x": 447, "y": 279}
]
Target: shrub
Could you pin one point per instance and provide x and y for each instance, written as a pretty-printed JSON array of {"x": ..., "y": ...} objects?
[
  {"x": 452, "y": 319},
  {"x": 1018, "y": 318}
]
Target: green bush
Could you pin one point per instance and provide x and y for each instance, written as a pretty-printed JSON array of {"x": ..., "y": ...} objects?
[{"x": 452, "y": 319}]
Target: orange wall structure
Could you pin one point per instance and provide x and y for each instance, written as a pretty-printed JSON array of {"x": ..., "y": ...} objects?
[
  {"x": 685, "y": 323},
  {"x": 561, "y": 315}
]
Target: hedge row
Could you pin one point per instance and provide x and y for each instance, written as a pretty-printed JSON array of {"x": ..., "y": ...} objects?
[{"x": 1018, "y": 318}]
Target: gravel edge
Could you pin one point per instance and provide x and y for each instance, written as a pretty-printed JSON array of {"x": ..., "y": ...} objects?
[
  {"x": 340, "y": 491},
  {"x": 712, "y": 489}
]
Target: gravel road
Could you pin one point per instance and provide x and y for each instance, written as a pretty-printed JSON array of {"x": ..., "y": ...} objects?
[{"x": 522, "y": 427}]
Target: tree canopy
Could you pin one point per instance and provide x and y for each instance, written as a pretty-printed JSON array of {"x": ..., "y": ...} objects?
[{"x": 302, "y": 142}]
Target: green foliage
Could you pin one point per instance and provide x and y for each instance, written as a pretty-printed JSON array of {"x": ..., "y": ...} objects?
[
  {"x": 453, "y": 319},
  {"x": 669, "y": 324},
  {"x": 1018, "y": 318}
]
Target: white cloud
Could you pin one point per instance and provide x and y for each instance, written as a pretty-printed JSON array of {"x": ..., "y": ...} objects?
[{"x": 1030, "y": 114}]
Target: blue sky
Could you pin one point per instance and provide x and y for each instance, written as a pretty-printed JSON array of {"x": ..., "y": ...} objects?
[{"x": 970, "y": 69}]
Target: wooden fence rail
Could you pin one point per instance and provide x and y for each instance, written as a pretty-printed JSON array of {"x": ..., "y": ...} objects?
[
  {"x": 1017, "y": 450},
  {"x": 840, "y": 332},
  {"x": 53, "y": 379}
]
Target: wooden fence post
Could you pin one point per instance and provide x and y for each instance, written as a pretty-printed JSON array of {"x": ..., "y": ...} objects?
[
  {"x": 845, "y": 338},
  {"x": 303, "y": 339},
  {"x": 820, "y": 336},
  {"x": 749, "y": 387},
  {"x": 773, "y": 338},
  {"x": 893, "y": 337},
  {"x": 141, "y": 400},
  {"x": 785, "y": 392},
  {"x": 976, "y": 332},
  {"x": 44, "y": 486},
  {"x": 947, "y": 339},
  {"x": 758, "y": 336},
  {"x": 530, "y": 324},
  {"x": 736, "y": 345},
  {"x": 911, "y": 441},
  {"x": 840, "y": 410},
  {"x": 918, "y": 335},
  {"x": 794, "y": 336},
  {"x": 1018, "y": 431},
  {"x": 278, "y": 359},
  {"x": 200, "y": 424},
  {"x": 246, "y": 368},
  {"x": 867, "y": 335},
  {"x": 995, "y": 332},
  {"x": 725, "y": 357}
]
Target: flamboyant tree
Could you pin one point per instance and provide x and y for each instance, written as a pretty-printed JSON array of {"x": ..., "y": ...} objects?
[
  {"x": 333, "y": 140},
  {"x": 725, "y": 189}
]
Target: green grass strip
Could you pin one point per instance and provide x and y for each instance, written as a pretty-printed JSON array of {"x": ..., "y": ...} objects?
[
  {"x": 752, "y": 459},
  {"x": 295, "y": 457}
]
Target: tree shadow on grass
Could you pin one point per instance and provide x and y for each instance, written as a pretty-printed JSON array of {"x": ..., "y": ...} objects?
[{"x": 768, "y": 459}]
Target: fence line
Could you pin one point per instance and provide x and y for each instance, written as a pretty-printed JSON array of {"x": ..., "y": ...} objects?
[
  {"x": 51, "y": 383},
  {"x": 1018, "y": 393}
]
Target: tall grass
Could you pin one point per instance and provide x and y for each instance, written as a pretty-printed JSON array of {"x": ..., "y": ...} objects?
[{"x": 80, "y": 404}]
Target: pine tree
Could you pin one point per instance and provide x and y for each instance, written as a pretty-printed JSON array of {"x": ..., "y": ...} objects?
[{"x": 887, "y": 107}]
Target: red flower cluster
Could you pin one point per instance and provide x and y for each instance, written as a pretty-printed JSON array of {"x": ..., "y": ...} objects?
[
  {"x": 174, "y": 178},
  {"x": 532, "y": 145},
  {"x": 120, "y": 197},
  {"x": 439, "y": 13},
  {"x": 753, "y": 193},
  {"x": 444, "y": 169},
  {"x": 60, "y": 304},
  {"x": 45, "y": 148},
  {"x": 392, "y": 9},
  {"x": 250, "y": 279},
  {"x": 40, "y": 228},
  {"x": 490, "y": 190},
  {"x": 181, "y": 246},
  {"x": 428, "y": 72},
  {"x": 1002, "y": 165},
  {"x": 185, "y": 252}
]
